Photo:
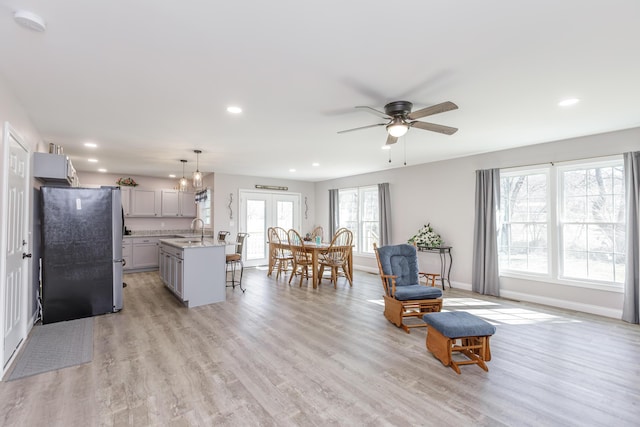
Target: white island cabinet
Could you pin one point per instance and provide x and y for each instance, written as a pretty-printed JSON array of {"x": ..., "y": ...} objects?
[{"x": 193, "y": 270}]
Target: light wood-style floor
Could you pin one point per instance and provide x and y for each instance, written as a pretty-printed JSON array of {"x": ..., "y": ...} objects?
[{"x": 284, "y": 355}]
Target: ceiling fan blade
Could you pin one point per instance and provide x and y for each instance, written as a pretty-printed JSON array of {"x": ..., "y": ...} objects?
[
  {"x": 434, "y": 109},
  {"x": 374, "y": 111},
  {"x": 362, "y": 127},
  {"x": 434, "y": 127},
  {"x": 391, "y": 140}
]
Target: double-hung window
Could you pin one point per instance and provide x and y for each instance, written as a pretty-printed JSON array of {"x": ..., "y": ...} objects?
[
  {"x": 564, "y": 222},
  {"x": 204, "y": 209},
  {"x": 359, "y": 213},
  {"x": 592, "y": 222},
  {"x": 523, "y": 243}
]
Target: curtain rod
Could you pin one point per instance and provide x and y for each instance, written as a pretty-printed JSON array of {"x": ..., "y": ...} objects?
[{"x": 552, "y": 163}]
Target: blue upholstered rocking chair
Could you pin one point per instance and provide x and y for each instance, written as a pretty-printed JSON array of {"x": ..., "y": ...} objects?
[{"x": 404, "y": 295}]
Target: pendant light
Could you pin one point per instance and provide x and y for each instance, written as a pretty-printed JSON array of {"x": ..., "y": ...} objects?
[
  {"x": 197, "y": 175},
  {"x": 183, "y": 181}
]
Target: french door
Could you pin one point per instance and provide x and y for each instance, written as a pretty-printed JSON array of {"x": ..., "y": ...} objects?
[{"x": 260, "y": 210}]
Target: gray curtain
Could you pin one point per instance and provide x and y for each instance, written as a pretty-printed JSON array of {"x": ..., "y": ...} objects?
[
  {"x": 631, "y": 305},
  {"x": 384, "y": 214},
  {"x": 485, "y": 277},
  {"x": 334, "y": 212}
]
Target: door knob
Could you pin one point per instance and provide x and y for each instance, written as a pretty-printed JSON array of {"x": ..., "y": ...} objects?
[{"x": 26, "y": 255}]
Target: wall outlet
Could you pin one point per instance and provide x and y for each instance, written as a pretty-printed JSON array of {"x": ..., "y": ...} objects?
[
  {"x": 162, "y": 225},
  {"x": 231, "y": 223}
]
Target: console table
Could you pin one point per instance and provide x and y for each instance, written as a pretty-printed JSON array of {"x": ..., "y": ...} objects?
[{"x": 445, "y": 267}]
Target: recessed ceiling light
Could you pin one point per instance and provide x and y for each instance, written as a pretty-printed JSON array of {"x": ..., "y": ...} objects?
[
  {"x": 29, "y": 20},
  {"x": 292, "y": 170},
  {"x": 90, "y": 144},
  {"x": 92, "y": 160},
  {"x": 568, "y": 102},
  {"x": 102, "y": 170},
  {"x": 234, "y": 110},
  {"x": 386, "y": 147},
  {"x": 315, "y": 164},
  {"x": 172, "y": 176}
]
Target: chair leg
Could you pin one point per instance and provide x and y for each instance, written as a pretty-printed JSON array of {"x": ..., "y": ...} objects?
[
  {"x": 293, "y": 272},
  {"x": 347, "y": 275},
  {"x": 241, "y": 273}
]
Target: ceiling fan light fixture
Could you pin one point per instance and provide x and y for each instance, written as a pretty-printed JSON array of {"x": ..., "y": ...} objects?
[
  {"x": 397, "y": 128},
  {"x": 197, "y": 175}
]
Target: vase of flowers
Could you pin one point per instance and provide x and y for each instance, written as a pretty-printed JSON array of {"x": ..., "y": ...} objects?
[{"x": 426, "y": 238}]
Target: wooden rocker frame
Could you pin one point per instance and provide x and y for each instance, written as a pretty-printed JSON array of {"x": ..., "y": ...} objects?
[
  {"x": 476, "y": 348},
  {"x": 396, "y": 310}
]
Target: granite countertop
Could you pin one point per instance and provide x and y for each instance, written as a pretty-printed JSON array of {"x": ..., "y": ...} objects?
[
  {"x": 167, "y": 233},
  {"x": 191, "y": 242}
]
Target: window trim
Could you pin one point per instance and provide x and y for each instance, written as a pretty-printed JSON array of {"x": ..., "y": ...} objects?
[
  {"x": 554, "y": 227},
  {"x": 358, "y": 234}
]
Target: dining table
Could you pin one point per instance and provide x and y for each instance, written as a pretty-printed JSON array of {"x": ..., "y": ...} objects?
[{"x": 315, "y": 249}]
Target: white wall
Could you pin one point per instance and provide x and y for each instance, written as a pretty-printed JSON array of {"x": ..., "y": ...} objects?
[
  {"x": 443, "y": 193},
  {"x": 226, "y": 184},
  {"x": 12, "y": 111}
]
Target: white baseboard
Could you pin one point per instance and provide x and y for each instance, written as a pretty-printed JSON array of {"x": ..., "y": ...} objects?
[
  {"x": 569, "y": 305},
  {"x": 366, "y": 268},
  {"x": 518, "y": 296},
  {"x": 22, "y": 343}
]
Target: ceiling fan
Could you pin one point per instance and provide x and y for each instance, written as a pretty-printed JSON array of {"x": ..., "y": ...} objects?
[{"x": 401, "y": 118}]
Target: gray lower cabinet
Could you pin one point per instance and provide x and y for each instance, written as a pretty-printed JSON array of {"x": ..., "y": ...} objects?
[
  {"x": 144, "y": 252},
  {"x": 196, "y": 275},
  {"x": 171, "y": 271}
]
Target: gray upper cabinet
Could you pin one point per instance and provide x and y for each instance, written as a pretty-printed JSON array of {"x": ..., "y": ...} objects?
[
  {"x": 145, "y": 202},
  {"x": 178, "y": 204}
]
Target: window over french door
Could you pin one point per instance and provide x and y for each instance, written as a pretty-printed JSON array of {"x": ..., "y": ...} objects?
[{"x": 260, "y": 210}]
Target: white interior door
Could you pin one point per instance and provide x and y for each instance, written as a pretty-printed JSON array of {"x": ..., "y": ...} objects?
[
  {"x": 260, "y": 210},
  {"x": 15, "y": 266}
]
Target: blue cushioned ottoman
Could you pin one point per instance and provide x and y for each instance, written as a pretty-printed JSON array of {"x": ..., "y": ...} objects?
[{"x": 459, "y": 331}]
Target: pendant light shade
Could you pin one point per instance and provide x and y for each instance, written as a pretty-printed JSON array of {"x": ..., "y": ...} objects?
[
  {"x": 183, "y": 183},
  {"x": 197, "y": 175}
]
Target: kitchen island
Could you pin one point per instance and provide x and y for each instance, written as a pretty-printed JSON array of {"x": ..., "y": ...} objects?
[{"x": 194, "y": 269}]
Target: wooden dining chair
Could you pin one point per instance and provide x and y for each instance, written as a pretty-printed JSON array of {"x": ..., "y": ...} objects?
[
  {"x": 337, "y": 256},
  {"x": 301, "y": 258},
  {"x": 280, "y": 254}
]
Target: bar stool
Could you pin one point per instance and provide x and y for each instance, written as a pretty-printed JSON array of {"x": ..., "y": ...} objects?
[{"x": 234, "y": 259}]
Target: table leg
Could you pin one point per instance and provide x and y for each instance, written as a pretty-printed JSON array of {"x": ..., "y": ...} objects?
[
  {"x": 450, "y": 264},
  {"x": 271, "y": 249},
  {"x": 314, "y": 266},
  {"x": 443, "y": 266}
]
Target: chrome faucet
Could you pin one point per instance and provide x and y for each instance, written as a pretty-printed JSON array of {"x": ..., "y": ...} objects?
[{"x": 202, "y": 229}]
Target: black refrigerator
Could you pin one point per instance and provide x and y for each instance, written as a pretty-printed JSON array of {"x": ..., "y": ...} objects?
[{"x": 81, "y": 231}]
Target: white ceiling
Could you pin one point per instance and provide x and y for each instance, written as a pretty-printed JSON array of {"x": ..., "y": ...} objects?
[{"x": 149, "y": 80}]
